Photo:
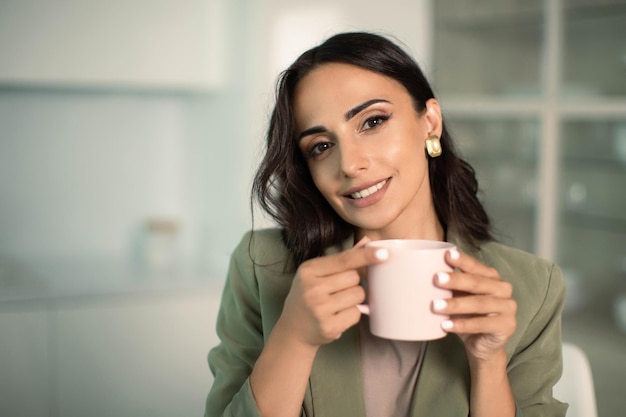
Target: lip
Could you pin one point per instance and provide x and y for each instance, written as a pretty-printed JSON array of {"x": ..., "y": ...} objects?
[
  {"x": 370, "y": 199},
  {"x": 363, "y": 186}
]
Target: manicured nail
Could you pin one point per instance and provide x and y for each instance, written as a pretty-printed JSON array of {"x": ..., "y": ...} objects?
[
  {"x": 381, "y": 254},
  {"x": 439, "y": 304},
  {"x": 454, "y": 254},
  {"x": 443, "y": 277},
  {"x": 447, "y": 324}
]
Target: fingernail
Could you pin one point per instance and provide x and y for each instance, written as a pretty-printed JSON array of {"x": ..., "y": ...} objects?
[
  {"x": 443, "y": 277},
  {"x": 447, "y": 324},
  {"x": 381, "y": 254},
  {"x": 454, "y": 254},
  {"x": 439, "y": 304}
]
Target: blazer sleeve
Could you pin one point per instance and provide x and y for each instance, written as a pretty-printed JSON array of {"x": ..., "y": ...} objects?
[
  {"x": 239, "y": 328},
  {"x": 537, "y": 362}
]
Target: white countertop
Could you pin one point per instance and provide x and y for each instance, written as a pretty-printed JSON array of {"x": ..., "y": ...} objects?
[{"x": 47, "y": 282}]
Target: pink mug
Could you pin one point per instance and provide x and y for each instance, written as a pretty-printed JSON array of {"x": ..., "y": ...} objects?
[{"x": 401, "y": 290}]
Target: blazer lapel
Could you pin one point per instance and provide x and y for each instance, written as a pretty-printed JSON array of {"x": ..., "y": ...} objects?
[{"x": 335, "y": 385}]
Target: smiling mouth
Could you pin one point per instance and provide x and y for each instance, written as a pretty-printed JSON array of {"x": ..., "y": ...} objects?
[{"x": 368, "y": 191}]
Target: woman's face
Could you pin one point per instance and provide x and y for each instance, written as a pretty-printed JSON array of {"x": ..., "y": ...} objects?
[{"x": 364, "y": 145}]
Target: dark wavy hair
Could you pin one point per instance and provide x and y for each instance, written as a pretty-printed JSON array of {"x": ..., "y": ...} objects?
[{"x": 284, "y": 187}]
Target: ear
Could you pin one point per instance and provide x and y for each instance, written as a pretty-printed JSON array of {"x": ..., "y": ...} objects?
[{"x": 433, "y": 117}]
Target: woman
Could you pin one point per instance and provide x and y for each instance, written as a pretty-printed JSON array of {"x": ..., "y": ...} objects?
[{"x": 357, "y": 151}]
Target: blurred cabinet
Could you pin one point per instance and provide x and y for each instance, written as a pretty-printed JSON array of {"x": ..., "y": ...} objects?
[
  {"x": 488, "y": 47},
  {"x": 535, "y": 94},
  {"x": 25, "y": 366},
  {"x": 136, "y": 355},
  {"x": 134, "y": 359},
  {"x": 165, "y": 44}
]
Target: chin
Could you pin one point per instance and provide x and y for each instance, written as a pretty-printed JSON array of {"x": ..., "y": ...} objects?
[{"x": 370, "y": 226}]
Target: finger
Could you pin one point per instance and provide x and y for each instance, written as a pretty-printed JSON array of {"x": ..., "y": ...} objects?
[
  {"x": 333, "y": 327},
  {"x": 474, "y": 305},
  {"x": 466, "y": 263},
  {"x": 339, "y": 281},
  {"x": 351, "y": 259},
  {"x": 317, "y": 292},
  {"x": 347, "y": 318},
  {"x": 361, "y": 243},
  {"x": 474, "y": 284},
  {"x": 497, "y": 324},
  {"x": 346, "y": 298}
]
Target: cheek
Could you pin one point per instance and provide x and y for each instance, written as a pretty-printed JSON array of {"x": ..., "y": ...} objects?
[
  {"x": 321, "y": 178},
  {"x": 408, "y": 151},
  {"x": 327, "y": 185}
]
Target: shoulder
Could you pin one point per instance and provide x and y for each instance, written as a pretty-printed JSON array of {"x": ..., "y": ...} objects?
[
  {"x": 534, "y": 279},
  {"x": 262, "y": 247},
  {"x": 538, "y": 286},
  {"x": 515, "y": 263},
  {"x": 262, "y": 256},
  {"x": 258, "y": 272},
  {"x": 532, "y": 276}
]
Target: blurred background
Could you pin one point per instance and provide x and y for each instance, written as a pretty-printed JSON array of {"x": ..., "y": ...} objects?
[{"x": 131, "y": 129}]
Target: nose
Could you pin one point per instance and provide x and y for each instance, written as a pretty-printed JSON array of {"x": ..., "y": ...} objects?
[{"x": 354, "y": 158}]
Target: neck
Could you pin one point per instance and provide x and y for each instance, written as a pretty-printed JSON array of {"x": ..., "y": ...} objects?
[{"x": 425, "y": 227}]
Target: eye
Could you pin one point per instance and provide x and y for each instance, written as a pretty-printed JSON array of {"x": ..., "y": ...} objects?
[
  {"x": 375, "y": 121},
  {"x": 317, "y": 149}
]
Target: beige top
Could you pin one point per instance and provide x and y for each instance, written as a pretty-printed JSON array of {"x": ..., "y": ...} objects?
[{"x": 390, "y": 369}]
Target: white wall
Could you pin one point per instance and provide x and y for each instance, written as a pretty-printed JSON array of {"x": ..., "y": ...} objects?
[
  {"x": 79, "y": 172},
  {"x": 84, "y": 164},
  {"x": 293, "y": 26}
]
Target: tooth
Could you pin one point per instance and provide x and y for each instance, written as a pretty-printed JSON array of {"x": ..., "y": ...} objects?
[{"x": 368, "y": 191}]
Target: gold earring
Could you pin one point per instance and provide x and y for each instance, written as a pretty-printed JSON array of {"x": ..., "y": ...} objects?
[{"x": 433, "y": 146}]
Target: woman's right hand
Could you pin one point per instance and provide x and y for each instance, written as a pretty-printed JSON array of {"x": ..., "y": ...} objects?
[
  {"x": 322, "y": 302},
  {"x": 320, "y": 306}
]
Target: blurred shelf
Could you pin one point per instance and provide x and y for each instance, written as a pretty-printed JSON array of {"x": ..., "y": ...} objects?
[
  {"x": 580, "y": 105},
  {"x": 492, "y": 105},
  {"x": 593, "y": 221},
  {"x": 592, "y": 107},
  {"x": 505, "y": 212},
  {"x": 594, "y": 164},
  {"x": 524, "y": 163},
  {"x": 577, "y": 10},
  {"x": 506, "y": 16},
  {"x": 463, "y": 16}
]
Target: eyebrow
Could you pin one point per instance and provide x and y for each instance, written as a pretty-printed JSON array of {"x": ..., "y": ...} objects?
[
  {"x": 347, "y": 116},
  {"x": 311, "y": 131},
  {"x": 358, "y": 109}
]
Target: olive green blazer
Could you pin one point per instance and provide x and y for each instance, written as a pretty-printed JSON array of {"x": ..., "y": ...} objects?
[{"x": 253, "y": 299}]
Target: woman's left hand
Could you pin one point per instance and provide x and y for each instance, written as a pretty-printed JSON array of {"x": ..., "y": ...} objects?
[{"x": 482, "y": 310}]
